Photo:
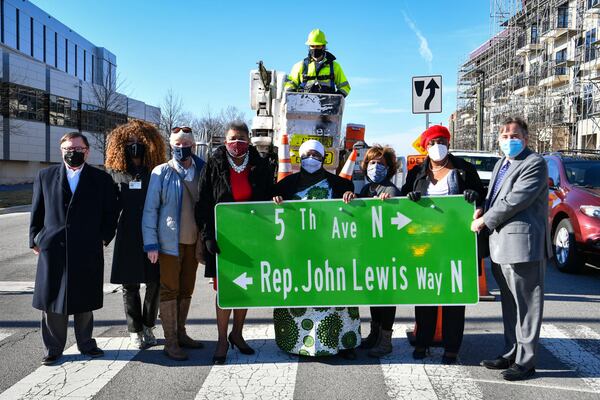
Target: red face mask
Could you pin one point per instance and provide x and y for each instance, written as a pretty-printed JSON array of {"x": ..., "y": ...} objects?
[{"x": 237, "y": 148}]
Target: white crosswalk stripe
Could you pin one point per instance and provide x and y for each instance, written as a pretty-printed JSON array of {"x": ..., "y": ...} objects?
[
  {"x": 76, "y": 376},
  {"x": 406, "y": 378},
  {"x": 268, "y": 374},
  {"x": 562, "y": 345},
  {"x": 272, "y": 373},
  {"x": 4, "y": 334},
  {"x": 21, "y": 287}
]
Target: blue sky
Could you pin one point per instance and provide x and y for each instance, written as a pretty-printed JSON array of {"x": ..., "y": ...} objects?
[{"x": 204, "y": 50}]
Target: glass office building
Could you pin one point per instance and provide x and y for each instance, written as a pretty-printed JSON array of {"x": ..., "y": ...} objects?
[{"x": 53, "y": 81}]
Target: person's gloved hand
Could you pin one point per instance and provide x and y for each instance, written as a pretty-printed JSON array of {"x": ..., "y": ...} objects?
[
  {"x": 414, "y": 196},
  {"x": 471, "y": 196},
  {"x": 212, "y": 246}
]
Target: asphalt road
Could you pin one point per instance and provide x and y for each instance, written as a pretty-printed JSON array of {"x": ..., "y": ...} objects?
[{"x": 568, "y": 365}]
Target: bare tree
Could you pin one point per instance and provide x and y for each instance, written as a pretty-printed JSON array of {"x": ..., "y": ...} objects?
[
  {"x": 211, "y": 127},
  {"x": 111, "y": 108},
  {"x": 171, "y": 113}
]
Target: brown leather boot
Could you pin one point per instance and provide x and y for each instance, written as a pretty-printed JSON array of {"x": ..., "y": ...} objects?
[
  {"x": 168, "y": 318},
  {"x": 183, "y": 338}
]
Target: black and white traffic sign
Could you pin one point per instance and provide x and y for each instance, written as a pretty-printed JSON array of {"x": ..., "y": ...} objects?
[{"x": 427, "y": 94}]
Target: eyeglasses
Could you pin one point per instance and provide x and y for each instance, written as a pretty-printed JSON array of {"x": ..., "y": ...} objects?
[
  {"x": 317, "y": 157},
  {"x": 184, "y": 129},
  {"x": 77, "y": 149}
]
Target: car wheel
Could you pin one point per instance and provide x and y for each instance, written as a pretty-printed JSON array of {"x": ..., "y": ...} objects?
[{"x": 565, "y": 248}]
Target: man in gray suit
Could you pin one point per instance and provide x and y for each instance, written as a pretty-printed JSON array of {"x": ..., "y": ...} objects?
[{"x": 516, "y": 215}]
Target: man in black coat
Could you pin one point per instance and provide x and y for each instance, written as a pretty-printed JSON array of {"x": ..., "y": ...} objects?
[{"x": 73, "y": 214}]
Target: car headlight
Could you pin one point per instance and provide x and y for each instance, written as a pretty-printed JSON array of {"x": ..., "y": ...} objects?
[{"x": 591, "y": 211}]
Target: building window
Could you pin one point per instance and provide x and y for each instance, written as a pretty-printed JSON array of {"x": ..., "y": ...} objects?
[
  {"x": 561, "y": 65},
  {"x": 590, "y": 49},
  {"x": 25, "y": 103},
  {"x": 534, "y": 34},
  {"x": 593, "y": 3},
  {"x": 563, "y": 16},
  {"x": 85, "y": 65},
  {"x": 55, "y": 50},
  {"x": 64, "y": 112},
  {"x": 18, "y": 31},
  {"x": 45, "y": 44},
  {"x": 31, "y": 35},
  {"x": 10, "y": 25},
  {"x": 75, "y": 70},
  {"x": 91, "y": 118}
]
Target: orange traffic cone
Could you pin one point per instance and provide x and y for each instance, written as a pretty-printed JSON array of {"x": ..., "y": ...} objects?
[
  {"x": 348, "y": 169},
  {"x": 283, "y": 153},
  {"x": 484, "y": 293}
]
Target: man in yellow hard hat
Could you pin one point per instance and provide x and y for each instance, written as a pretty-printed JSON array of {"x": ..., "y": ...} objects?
[{"x": 319, "y": 72}]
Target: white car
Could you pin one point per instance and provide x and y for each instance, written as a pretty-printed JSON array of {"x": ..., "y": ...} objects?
[{"x": 483, "y": 161}]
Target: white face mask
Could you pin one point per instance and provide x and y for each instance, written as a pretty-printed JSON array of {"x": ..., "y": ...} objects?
[
  {"x": 311, "y": 165},
  {"x": 438, "y": 152}
]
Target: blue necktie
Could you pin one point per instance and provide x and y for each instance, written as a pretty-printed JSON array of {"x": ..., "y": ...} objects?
[{"x": 499, "y": 179}]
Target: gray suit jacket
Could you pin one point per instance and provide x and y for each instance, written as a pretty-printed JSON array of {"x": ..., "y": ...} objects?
[{"x": 517, "y": 216}]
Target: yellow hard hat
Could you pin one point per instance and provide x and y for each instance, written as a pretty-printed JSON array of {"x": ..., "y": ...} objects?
[{"x": 316, "y": 37}]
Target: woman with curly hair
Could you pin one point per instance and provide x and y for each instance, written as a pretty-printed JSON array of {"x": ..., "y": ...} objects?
[{"x": 133, "y": 150}]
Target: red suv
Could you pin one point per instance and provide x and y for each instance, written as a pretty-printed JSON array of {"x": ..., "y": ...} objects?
[{"x": 574, "y": 201}]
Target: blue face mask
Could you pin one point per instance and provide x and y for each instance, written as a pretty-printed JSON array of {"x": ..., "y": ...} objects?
[
  {"x": 511, "y": 147},
  {"x": 376, "y": 172}
]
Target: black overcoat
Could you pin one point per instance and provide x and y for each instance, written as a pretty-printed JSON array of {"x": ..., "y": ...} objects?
[
  {"x": 130, "y": 264},
  {"x": 69, "y": 230},
  {"x": 214, "y": 188}
]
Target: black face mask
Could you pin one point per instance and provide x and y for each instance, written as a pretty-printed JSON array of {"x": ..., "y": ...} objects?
[
  {"x": 181, "y": 154},
  {"x": 316, "y": 53},
  {"x": 74, "y": 159},
  {"x": 135, "y": 150}
]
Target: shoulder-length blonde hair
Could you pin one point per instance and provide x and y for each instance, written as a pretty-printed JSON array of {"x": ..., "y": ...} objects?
[{"x": 145, "y": 133}]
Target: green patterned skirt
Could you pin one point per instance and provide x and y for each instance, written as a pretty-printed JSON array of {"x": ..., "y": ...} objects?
[{"x": 317, "y": 331}]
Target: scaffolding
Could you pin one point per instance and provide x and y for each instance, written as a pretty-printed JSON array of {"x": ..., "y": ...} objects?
[{"x": 539, "y": 64}]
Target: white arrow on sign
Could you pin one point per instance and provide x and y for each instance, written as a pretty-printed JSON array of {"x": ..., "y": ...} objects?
[
  {"x": 243, "y": 281},
  {"x": 400, "y": 220}
]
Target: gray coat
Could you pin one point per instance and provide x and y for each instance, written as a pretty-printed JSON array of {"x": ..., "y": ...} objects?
[
  {"x": 162, "y": 209},
  {"x": 517, "y": 216}
]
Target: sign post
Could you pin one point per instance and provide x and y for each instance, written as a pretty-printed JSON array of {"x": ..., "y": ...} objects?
[{"x": 326, "y": 253}]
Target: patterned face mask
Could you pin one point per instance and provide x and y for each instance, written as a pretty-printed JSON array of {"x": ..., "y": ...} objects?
[
  {"x": 237, "y": 148},
  {"x": 376, "y": 172}
]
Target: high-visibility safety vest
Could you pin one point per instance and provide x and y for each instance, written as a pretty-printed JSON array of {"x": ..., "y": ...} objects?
[{"x": 325, "y": 76}]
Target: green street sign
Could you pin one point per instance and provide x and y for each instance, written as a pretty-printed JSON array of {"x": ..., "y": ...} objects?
[{"x": 326, "y": 253}]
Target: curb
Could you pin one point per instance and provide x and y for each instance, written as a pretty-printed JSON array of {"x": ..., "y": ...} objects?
[{"x": 15, "y": 209}]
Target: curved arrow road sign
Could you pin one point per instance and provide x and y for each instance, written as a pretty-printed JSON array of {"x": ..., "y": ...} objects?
[{"x": 427, "y": 94}]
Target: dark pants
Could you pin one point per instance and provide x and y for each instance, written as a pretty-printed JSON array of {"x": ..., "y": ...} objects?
[
  {"x": 54, "y": 331},
  {"x": 384, "y": 316},
  {"x": 453, "y": 326},
  {"x": 137, "y": 315},
  {"x": 178, "y": 274}
]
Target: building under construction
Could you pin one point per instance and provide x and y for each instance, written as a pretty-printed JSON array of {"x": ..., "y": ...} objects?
[{"x": 542, "y": 63}]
